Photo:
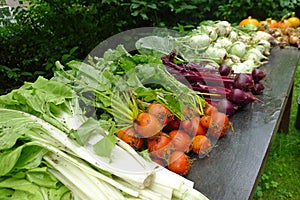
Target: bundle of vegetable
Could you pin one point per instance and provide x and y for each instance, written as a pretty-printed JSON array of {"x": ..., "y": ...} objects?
[
  {"x": 286, "y": 31},
  {"x": 42, "y": 156},
  {"x": 289, "y": 36},
  {"x": 214, "y": 42},
  {"x": 113, "y": 84},
  {"x": 171, "y": 141},
  {"x": 233, "y": 90},
  {"x": 142, "y": 102}
]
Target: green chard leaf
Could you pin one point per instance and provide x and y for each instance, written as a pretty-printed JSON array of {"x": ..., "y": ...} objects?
[
  {"x": 42, "y": 177},
  {"x": 31, "y": 157},
  {"x": 8, "y": 160},
  {"x": 86, "y": 130},
  {"x": 22, "y": 189},
  {"x": 105, "y": 146},
  {"x": 26, "y": 156},
  {"x": 50, "y": 100},
  {"x": 6, "y": 193}
]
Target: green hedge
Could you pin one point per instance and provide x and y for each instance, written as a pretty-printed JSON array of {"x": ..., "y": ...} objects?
[{"x": 67, "y": 29}]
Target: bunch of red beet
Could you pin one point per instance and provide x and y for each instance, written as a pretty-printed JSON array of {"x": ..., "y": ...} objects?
[{"x": 221, "y": 87}]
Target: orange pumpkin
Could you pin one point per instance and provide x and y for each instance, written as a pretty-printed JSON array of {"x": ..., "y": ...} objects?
[
  {"x": 270, "y": 23},
  {"x": 249, "y": 20},
  {"x": 283, "y": 24},
  {"x": 294, "y": 21},
  {"x": 263, "y": 25}
]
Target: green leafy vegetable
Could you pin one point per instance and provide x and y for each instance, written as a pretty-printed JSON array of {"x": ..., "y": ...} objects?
[
  {"x": 50, "y": 137},
  {"x": 105, "y": 145},
  {"x": 138, "y": 76},
  {"x": 49, "y": 100}
]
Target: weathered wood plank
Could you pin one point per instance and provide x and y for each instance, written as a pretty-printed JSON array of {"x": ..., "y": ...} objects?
[{"x": 234, "y": 165}]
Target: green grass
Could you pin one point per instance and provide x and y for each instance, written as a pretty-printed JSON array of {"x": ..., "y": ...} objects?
[{"x": 280, "y": 178}]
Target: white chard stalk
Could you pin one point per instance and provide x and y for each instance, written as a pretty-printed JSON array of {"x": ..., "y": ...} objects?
[
  {"x": 90, "y": 177},
  {"x": 138, "y": 179}
]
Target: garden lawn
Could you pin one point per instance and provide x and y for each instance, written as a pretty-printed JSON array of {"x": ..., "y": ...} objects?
[{"x": 281, "y": 175}]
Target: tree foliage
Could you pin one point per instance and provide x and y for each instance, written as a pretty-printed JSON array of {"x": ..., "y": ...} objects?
[{"x": 51, "y": 30}]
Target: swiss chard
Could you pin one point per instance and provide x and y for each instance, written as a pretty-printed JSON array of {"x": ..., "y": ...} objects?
[
  {"x": 138, "y": 76},
  {"x": 46, "y": 130}
]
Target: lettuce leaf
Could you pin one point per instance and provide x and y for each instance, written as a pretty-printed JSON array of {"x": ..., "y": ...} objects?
[{"x": 50, "y": 100}]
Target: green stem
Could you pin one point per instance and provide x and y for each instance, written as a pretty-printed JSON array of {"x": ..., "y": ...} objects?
[
  {"x": 293, "y": 14},
  {"x": 121, "y": 108},
  {"x": 286, "y": 16}
]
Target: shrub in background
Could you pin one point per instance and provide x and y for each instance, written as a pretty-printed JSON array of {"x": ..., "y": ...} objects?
[{"x": 69, "y": 29}]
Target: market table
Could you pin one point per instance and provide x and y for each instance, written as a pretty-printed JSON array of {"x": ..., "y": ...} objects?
[{"x": 233, "y": 168}]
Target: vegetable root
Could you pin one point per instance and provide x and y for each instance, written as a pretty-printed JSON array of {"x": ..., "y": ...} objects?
[{"x": 221, "y": 87}]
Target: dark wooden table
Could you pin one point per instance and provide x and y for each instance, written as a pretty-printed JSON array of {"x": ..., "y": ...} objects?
[{"x": 232, "y": 170}]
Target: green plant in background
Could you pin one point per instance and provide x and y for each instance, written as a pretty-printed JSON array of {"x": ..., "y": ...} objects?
[
  {"x": 235, "y": 10},
  {"x": 280, "y": 178},
  {"x": 13, "y": 73},
  {"x": 49, "y": 29},
  {"x": 2, "y": 2},
  {"x": 266, "y": 184},
  {"x": 64, "y": 59},
  {"x": 69, "y": 29}
]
